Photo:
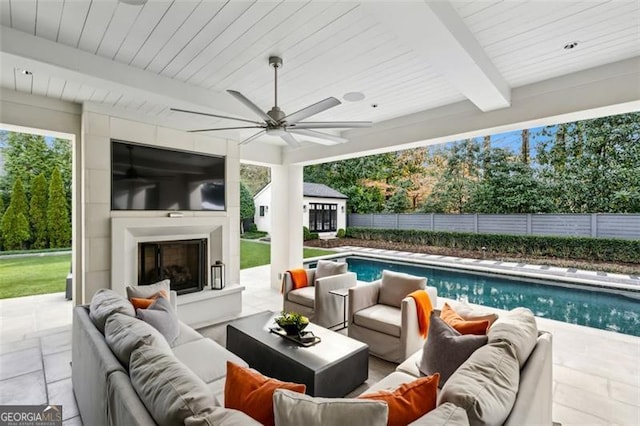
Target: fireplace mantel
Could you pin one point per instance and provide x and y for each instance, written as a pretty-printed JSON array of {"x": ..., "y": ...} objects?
[{"x": 126, "y": 233}]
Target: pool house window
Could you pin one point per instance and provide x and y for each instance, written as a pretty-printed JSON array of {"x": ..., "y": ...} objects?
[{"x": 323, "y": 217}]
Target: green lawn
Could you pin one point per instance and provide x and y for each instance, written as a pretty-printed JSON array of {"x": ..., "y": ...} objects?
[
  {"x": 256, "y": 254},
  {"x": 26, "y": 276}
]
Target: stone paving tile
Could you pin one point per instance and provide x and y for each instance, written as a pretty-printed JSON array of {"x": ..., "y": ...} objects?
[
  {"x": 585, "y": 401},
  {"x": 27, "y": 389},
  {"x": 18, "y": 345},
  {"x": 57, "y": 366},
  {"x": 567, "y": 416},
  {"x": 569, "y": 376},
  {"x": 57, "y": 342},
  {"x": 624, "y": 393},
  {"x": 20, "y": 362},
  {"x": 61, "y": 393}
]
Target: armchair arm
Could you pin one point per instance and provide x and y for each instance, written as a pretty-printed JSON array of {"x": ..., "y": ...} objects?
[
  {"x": 288, "y": 282},
  {"x": 329, "y": 307},
  {"x": 410, "y": 339},
  {"x": 361, "y": 297}
]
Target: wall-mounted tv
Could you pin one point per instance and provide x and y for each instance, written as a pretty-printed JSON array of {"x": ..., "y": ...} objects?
[{"x": 148, "y": 178}]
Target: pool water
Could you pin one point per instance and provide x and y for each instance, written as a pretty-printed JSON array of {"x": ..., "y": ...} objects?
[{"x": 593, "y": 308}]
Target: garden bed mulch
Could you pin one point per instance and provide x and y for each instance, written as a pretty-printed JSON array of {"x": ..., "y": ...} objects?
[{"x": 619, "y": 268}]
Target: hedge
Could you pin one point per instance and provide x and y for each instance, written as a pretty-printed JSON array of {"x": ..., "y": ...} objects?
[{"x": 601, "y": 249}]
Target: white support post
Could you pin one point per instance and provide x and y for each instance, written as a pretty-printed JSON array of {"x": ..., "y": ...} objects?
[{"x": 286, "y": 220}]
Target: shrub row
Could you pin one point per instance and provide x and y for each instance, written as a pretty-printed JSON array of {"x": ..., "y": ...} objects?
[{"x": 602, "y": 249}]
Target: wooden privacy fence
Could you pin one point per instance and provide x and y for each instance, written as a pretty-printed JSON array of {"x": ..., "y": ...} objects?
[{"x": 575, "y": 225}]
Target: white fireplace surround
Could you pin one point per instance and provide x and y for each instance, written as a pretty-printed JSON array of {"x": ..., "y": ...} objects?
[{"x": 126, "y": 233}]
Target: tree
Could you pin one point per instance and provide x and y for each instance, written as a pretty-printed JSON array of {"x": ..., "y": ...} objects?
[
  {"x": 15, "y": 229},
  {"x": 38, "y": 211},
  {"x": 58, "y": 224},
  {"x": 247, "y": 206},
  {"x": 398, "y": 202},
  {"x": 254, "y": 177},
  {"x": 524, "y": 149},
  {"x": 25, "y": 156}
]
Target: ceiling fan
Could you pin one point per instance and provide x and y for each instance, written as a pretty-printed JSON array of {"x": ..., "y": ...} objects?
[{"x": 277, "y": 123}]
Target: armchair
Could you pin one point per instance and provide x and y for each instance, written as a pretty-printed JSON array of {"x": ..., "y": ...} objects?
[
  {"x": 382, "y": 315},
  {"x": 314, "y": 301}
]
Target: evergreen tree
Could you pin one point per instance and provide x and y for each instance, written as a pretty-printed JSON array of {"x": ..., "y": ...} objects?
[
  {"x": 38, "y": 211},
  {"x": 25, "y": 156},
  {"x": 19, "y": 199},
  {"x": 247, "y": 206},
  {"x": 1, "y": 205},
  {"x": 58, "y": 224},
  {"x": 15, "y": 227},
  {"x": 1, "y": 214}
]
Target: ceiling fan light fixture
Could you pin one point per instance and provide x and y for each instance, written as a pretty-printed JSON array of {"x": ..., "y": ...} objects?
[{"x": 277, "y": 131}]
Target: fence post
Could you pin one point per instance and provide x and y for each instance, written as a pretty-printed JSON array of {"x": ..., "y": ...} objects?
[
  {"x": 594, "y": 225},
  {"x": 397, "y": 221},
  {"x": 528, "y": 223},
  {"x": 433, "y": 225},
  {"x": 475, "y": 223}
]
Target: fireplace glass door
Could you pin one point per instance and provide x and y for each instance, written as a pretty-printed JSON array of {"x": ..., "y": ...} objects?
[{"x": 182, "y": 262}]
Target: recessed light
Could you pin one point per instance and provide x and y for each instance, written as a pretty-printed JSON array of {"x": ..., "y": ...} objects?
[
  {"x": 25, "y": 72},
  {"x": 353, "y": 96},
  {"x": 571, "y": 45}
]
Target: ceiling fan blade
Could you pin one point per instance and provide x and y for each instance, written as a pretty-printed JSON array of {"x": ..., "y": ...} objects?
[
  {"x": 215, "y": 115},
  {"x": 253, "y": 107},
  {"x": 331, "y": 124},
  {"x": 311, "y": 110},
  {"x": 321, "y": 138},
  {"x": 290, "y": 140},
  {"x": 252, "y": 138},
  {"x": 225, "y": 128}
]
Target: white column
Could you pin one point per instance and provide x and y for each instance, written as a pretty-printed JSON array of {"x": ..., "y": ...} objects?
[{"x": 286, "y": 220}]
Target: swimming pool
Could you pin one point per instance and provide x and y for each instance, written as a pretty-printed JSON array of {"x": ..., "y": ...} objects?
[{"x": 593, "y": 308}]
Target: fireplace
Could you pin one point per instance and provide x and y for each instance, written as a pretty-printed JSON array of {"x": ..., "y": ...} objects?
[{"x": 183, "y": 262}]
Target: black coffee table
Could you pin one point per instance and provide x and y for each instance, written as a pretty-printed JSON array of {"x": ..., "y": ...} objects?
[{"x": 332, "y": 368}]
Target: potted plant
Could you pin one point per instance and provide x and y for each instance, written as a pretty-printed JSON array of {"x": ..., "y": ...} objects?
[{"x": 291, "y": 322}]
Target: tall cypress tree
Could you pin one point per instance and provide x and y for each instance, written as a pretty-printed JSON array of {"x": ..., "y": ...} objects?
[
  {"x": 38, "y": 211},
  {"x": 19, "y": 199},
  {"x": 58, "y": 223},
  {"x": 15, "y": 226}
]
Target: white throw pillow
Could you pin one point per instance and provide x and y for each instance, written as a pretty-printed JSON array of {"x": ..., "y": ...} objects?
[
  {"x": 148, "y": 291},
  {"x": 296, "y": 409}
]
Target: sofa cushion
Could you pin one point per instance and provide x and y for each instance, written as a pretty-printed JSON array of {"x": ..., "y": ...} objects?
[
  {"x": 383, "y": 318},
  {"x": 395, "y": 286},
  {"x": 411, "y": 365},
  {"x": 471, "y": 313},
  {"x": 390, "y": 382},
  {"x": 252, "y": 393},
  {"x": 486, "y": 385},
  {"x": 170, "y": 391},
  {"x": 125, "y": 334},
  {"x": 445, "y": 349},
  {"x": 328, "y": 268},
  {"x": 161, "y": 316},
  {"x": 106, "y": 302},
  {"x": 446, "y": 414},
  {"x": 518, "y": 327},
  {"x": 409, "y": 401},
  {"x": 206, "y": 358},
  {"x": 296, "y": 409},
  {"x": 451, "y": 317},
  {"x": 218, "y": 416},
  {"x": 186, "y": 335},
  {"x": 149, "y": 291},
  {"x": 305, "y": 296}
]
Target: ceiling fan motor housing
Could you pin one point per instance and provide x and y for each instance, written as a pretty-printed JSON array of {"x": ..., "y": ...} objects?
[{"x": 275, "y": 61}]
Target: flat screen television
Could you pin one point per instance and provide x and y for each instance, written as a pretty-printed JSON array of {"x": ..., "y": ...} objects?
[{"x": 149, "y": 178}]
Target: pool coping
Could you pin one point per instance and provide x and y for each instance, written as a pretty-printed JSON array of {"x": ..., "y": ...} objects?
[{"x": 551, "y": 273}]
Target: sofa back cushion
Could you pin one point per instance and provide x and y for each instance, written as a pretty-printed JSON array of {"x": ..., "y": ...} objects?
[
  {"x": 170, "y": 391},
  {"x": 219, "y": 416},
  {"x": 518, "y": 327},
  {"x": 295, "y": 409},
  {"x": 125, "y": 334},
  {"x": 106, "y": 302},
  {"x": 446, "y": 349},
  {"x": 395, "y": 286},
  {"x": 445, "y": 414},
  {"x": 327, "y": 268},
  {"x": 485, "y": 385},
  {"x": 162, "y": 317}
]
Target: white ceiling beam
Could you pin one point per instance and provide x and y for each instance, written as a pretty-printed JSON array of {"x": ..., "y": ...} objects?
[
  {"x": 435, "y": 31},
  {"x": 39, "y": 55},
  {"x": 605, "y": 90}
]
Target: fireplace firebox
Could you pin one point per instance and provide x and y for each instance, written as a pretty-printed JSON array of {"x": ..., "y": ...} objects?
[{"x": 183, "y": 262}]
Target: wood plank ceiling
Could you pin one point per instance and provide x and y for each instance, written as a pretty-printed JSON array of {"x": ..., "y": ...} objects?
[{"x": 329, "y": 49}]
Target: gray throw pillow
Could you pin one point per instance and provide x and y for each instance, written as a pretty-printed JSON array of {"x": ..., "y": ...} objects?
[
  {"x": 124, "y": 334},
  {"x": 395, "y": 286},
  {"x": 105, "y": 303},
  {"x": 162, "y": 317},
  {"x": 327, "y": 268},
  {"x": 295, "y": 409},
  {"x": 148, "y": 291},
  {"x": 486, "y": 385},
  {"x": 446, "y": 349},
  {"x": 168, "y": 388}
]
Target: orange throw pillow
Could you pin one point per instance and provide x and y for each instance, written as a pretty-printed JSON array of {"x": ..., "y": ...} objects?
[
  {"x": 452, "y": 318},
  {"x": 248, "y": 391},
  {"x": 410, "y": 401},
  {"x": 141, "y": 303}
]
